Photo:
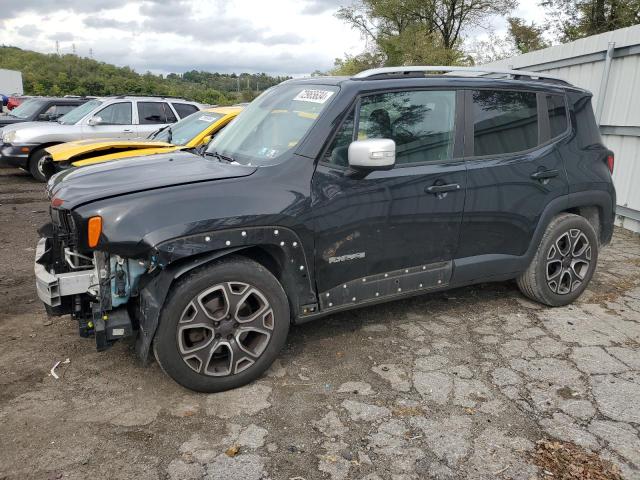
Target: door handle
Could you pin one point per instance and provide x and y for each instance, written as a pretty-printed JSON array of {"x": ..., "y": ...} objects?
[
  {"x": 439, "y": 189},
  {"x": 127, "y": 130},
  {"x": 544, "y": 174}
]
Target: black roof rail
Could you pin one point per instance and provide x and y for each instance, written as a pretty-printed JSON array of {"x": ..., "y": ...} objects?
[
  {"x": 421, "y": 71},
  {"x": 139, "y": 95}
]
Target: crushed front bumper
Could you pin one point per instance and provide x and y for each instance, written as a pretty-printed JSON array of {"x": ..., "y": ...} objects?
[{"x": 52, "y": 287}]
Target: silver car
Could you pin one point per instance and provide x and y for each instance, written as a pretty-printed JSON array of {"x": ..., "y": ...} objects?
[{"x": 22, "y": 145}]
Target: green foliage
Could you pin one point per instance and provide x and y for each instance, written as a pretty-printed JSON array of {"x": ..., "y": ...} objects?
[
  {"x": 416, "y": 32},
  {"x": 72, "y": 75},
  {"x": 574, "y": 19},
  {"x": 526, "y": 37}
]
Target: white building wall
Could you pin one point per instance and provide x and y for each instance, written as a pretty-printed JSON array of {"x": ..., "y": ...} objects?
[
  {"x": 10, "y": 82},
  {"x": 584, "y": 63}
]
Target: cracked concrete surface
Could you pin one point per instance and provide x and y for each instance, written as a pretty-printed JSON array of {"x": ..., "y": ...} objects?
[{"x": 452, "y": 385}]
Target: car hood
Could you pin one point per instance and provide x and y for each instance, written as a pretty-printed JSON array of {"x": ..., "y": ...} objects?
[
  {"x": 84, "y": 148},
  {"x": 83, "y": 185},
  {"x": 7, "y": 120},
  {"x": 26, "y": 131}
]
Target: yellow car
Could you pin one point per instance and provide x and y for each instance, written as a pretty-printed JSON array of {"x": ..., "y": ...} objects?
[{"x": 193, "y": 131}]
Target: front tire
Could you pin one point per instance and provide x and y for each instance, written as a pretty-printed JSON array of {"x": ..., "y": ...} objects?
[
  {"x": 222, "y": 326},
  {"x": 37, "y": 165},
  {"x": 564, "y": 263}
]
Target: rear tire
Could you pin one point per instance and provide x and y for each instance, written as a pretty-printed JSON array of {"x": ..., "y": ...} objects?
[
  {"x": 564, "y": 263},
  {"x": 36, "y": 164},
  {"x": 222, "y": 326}
]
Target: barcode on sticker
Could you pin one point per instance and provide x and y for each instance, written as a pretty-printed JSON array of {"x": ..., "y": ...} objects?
[{"x": 315, "y": 96}]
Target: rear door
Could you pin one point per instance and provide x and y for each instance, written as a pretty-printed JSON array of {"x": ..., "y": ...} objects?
[
  {"x": 153, "y": 115},
  {"x": 514, "y": 171},
  {"x": 116, "y": 121},
  {"x": 393, "y": 232}
]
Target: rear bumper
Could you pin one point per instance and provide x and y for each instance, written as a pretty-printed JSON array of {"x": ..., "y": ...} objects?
[{"x": 52, "y": 287}]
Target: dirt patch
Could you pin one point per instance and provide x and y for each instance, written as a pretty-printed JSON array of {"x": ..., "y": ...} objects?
[
  {"x": 616, "y": 289},
  {"x": 567, "y": 461}
]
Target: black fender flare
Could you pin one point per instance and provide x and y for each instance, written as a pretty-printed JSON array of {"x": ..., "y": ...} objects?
[{"x": 178, "y": 256}]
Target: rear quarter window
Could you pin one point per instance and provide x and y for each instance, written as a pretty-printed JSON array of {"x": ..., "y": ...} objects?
[
  {"x": 557, "y": 110},
  {"x": 184, "y": 109}
]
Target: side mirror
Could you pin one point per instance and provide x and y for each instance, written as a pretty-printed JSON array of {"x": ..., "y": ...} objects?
[
  {"x": 44, "y": 117},
  {"x": 374, "y": 154},
  {"x": 93, "y": 121}
]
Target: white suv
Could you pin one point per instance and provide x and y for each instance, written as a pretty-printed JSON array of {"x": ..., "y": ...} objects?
[{"x": 112, "y": 117}]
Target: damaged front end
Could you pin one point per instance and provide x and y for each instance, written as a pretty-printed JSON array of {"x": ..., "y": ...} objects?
[{"x": 94, "y": 287}]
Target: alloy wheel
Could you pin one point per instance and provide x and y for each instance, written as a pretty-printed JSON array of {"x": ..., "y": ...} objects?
[
  {"x": 568, "y": 262},
  {"x": 41, "y": 162},
  {"x": 225, "y": 329}
]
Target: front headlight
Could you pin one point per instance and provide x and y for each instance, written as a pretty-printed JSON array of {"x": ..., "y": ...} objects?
[{"x": 8, "y": 137}]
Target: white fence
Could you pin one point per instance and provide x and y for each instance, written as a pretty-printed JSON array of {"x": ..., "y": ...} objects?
[{"x": 609, "y": 66}]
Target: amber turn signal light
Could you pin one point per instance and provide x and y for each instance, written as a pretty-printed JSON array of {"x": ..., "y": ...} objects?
[{"x": 94, "y": 230}]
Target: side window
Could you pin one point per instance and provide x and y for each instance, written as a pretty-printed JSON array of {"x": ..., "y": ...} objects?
[
  {"x": 56, "y": 111},
  {"x": 184, "y": 109},
  {"x": 504, "y": 122},
  {"x": 557, "y": 115},
  {"x": 337, "y": 153},
  {"x": 421, "y": 123},
  {"x": 155, "y": 112},
  {"x": 116, "y": 114}
]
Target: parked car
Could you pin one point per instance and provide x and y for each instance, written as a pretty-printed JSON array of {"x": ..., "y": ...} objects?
[
  {"x": 41, "y": 109},
  {"x": 327, "y": 194},
  {"x": 23, "y": 145},
  {"x": 192, "y": 132}
]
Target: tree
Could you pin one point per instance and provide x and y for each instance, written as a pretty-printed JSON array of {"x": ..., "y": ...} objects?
[
  {"x": 496, "y": 47},
  {"x": 574, "y": 19},
  {"x": 526, "y": 37},
  {"x": 409, "y": 32}
]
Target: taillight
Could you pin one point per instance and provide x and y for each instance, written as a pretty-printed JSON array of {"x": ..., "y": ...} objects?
[
  {"x": 610, "y": 163},
  {"x": 94, "y": 230},
  {"x": 56, "y": 202}
]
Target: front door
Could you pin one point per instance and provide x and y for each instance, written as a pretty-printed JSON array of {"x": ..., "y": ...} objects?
[
  {"x": 115, "y": 122},
  {"x": 390, "y": 233},
  {"x": 514, "y": 171}
]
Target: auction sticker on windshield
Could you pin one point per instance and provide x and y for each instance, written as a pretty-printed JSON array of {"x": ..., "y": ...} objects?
[
  {"x": 207, "y": 118},
  {"x": 315, "y": 96}
]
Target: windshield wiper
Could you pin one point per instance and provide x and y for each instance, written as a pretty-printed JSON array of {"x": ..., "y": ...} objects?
[
  {"x": 219, "y": 156},
  {"x": 153, "y": 135},
  {"x": 170, "y": 136}
]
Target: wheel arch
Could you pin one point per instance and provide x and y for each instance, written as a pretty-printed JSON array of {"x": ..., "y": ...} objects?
[
  {"x": 280, "y": 253},
  {"x": 40, "y": 147}
]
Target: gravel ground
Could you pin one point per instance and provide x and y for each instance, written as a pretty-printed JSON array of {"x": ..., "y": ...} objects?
[{"x": 453, "y": 385}]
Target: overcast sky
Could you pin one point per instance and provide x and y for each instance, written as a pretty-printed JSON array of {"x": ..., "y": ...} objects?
[{"x": 292, "y": 37}]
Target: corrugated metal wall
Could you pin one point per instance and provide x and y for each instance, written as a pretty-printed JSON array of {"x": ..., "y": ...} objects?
[{"x": 609, "y": 66}]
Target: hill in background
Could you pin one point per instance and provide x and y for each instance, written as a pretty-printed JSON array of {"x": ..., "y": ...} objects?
[{"x": 51, "y": 74}]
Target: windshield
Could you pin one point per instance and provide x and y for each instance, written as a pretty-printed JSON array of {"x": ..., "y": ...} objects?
[
  {"x": 273, "y": 124},
  {"x": 182, "y": 132},
  {"x": 77, "y": 114},
  {"x": 26, "y": 109}
]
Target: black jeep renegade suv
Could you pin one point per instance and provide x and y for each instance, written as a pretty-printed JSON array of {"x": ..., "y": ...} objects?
[{"x": 327, "y": 194}]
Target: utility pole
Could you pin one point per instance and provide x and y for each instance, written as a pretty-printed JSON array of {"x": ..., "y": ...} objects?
[
  {"x": 238, "y": 78},
  {"x": 73, "y": 48},
  {"x": 57, "y": 47},
  {"x": 91, "y": 53}
]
